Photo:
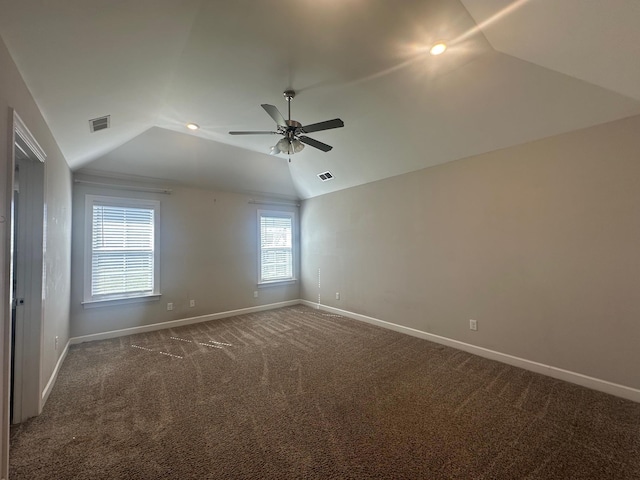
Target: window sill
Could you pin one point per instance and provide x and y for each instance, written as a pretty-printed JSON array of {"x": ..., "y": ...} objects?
[
  {"x": 278, "y": 283},
  {"x": 111, "y": 302}
]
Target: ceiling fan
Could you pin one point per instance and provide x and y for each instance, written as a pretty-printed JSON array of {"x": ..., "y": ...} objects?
[{"x": 293, "y": 133}]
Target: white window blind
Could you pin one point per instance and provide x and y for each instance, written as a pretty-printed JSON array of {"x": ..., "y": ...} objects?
[
  {"x": 122, "y": 256},
  {"x": 276, "y": 247},
  {"x": 122, "y": 250}
]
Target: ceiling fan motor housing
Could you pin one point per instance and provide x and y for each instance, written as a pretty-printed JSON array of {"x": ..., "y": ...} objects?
[{"x": 292, "y": 126}]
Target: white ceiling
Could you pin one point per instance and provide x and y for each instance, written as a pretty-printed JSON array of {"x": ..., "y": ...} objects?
[{"x": 515, "y": 71}]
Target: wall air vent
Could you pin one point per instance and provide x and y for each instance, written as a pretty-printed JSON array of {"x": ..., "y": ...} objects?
[
  {"x": 100, "y": 123},
  {"x": 325, "y": 176}
]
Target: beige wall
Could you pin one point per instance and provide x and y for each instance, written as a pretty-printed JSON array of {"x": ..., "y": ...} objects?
[
  {"x": 14, "y": 94},
  {"x": 539, "y": 243},
  {"x": 208, "y": 253}
]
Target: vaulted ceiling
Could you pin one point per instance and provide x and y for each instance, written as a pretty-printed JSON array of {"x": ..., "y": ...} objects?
[{"x": 514, "y": 71}]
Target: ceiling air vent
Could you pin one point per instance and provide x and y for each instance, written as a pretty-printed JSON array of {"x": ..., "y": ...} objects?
[
  {"x": 100, "y": 123},
  {"x": 325, "y": 176}
]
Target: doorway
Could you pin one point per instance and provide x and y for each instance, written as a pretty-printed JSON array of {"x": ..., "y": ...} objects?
[{"x": 26, "y": 273}]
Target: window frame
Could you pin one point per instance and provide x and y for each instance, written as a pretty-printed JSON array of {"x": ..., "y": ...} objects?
[
  {"x": 89, "y": 300},
  {"x": 294, "y": 247}
]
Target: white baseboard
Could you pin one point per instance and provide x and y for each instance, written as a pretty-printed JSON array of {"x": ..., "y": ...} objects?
[
  {"x": 54, "y": 376},
  {"x": 179, "y": 323},
  {"x": 579, "y": 379}
]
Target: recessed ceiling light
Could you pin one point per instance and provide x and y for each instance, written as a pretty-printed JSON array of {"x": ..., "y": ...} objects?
[
  {"x": 438, "y": 48},
  {"x": 193, "y": 126}
]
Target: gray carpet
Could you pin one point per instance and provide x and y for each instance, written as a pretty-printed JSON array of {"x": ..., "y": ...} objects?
[{"x": 298, "y": 393}]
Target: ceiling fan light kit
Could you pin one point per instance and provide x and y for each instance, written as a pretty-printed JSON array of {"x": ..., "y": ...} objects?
[
  {"x": 293, "y": 139},
  {"x": 287, "y": 146}
]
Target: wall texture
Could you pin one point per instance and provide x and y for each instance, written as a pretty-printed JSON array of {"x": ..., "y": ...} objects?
[
  {"x": 15, "y": 94},
  {"x": 538, "y": 243},
  {"x": 208, "y": 253}
]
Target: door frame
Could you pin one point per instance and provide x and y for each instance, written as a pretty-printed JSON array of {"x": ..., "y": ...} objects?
[{"x": 31, "y": 341}]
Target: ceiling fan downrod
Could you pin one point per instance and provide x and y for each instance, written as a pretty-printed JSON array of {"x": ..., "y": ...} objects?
[{"x": 289, "y": 95}]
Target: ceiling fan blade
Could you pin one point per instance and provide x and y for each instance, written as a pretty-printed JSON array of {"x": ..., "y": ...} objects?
[
  {"x": 275, "y": 114},
  {"x": 252, "y": 133},
  {"x": 329, "y": 124},
  {"x": 315, "y": 143}
]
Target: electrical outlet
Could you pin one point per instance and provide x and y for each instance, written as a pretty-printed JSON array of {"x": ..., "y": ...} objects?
[
  {"x": 473, "y": 325},
  {"x": 169, "y": 306},
  {"x": 255, "y": 294},
  {"x": 56, "y": 343},
  {"x": 337, "y": 295},
  {"x": 192, "y": 303}
]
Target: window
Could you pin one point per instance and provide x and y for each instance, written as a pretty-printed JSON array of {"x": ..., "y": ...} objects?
[
  {"x": 121, "y": 260},
  {"x": 276, "y": 255}
]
